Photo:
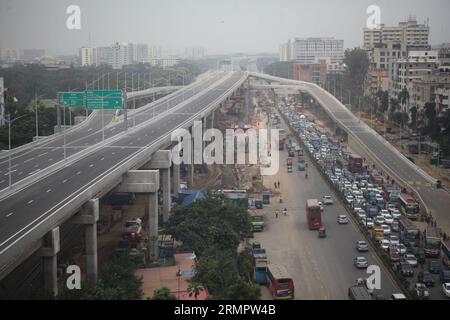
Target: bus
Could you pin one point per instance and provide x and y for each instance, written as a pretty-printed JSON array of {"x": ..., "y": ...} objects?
[
  {"x": 446, "y": 253},
  {"x": 313, "y": 214},
  {"x": 355, "y": 163},
  {"x": 408, "y": 206},
  {"x": 280, "y": 283},
  {"x": 432, "y": 242},
  {"x": 408, "y": 231}
]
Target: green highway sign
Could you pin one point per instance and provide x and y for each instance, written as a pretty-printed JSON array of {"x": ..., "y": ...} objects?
[
  {"x": 104, "y": 99},
  {"x": 72, "y": 99}
]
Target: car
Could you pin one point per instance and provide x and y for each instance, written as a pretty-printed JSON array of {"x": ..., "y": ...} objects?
[
  {"x": 401, "y": 248},
  {"x": 426, "y": 278},
  {"x": 398, "y": 296},
  {"x": 321, "y": 205},
  {"x": 368, "y": 222},
  {"x": 434, "y": 266},
  {"x": 405, "y": 269},
  {"x": 349, "y": 199},
  {"x": 446, "y": 289},
  {"x": 386, "y": 229},
  {"x": 327, "y": 200},
  {"x": 396, "y": 214},
  {"x": 384, "y": 212},
  {"x": 360, "y": 262},
  {"x": 421, "y": 291},
  {"x": 379, "y": 220},
  {"x": 388, "y": 219},
  {"x": 362, "y": 246},
  {"x": 394, "y": 254},
  {"x": 342, "y": 219},
  {"x": 361, "y": 216},
  {"x": 445, "y": 275},
  {"x": 411, "y": 259},
  {"x": 393, "y": 239},
  {"x": 384, "y": 244}
]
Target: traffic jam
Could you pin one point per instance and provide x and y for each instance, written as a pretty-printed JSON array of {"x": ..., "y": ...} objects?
[{"x": 386, "y": 213}]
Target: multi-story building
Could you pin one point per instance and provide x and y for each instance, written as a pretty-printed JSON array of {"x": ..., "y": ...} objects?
[
  {"x": 140, "y": 52},
  {"x": 443, "y": 53},
  {"x": 408, "y": 32},
  {"x": 313, "y": 72},
  {"x": 168, "y": 61},
  {"x": 434, "y": 87},
  {"x": 311, "y": 50},
  {"x": 88, "y": 56},
  {"x": 120, "y": 54},
  {"x": 154, "y": 52},
  {"x": 10, "y": 55},
  {"x": 414, "y": 67},
  {"x": 33, "y": 54},
  {"x": 195, "y": 52}
]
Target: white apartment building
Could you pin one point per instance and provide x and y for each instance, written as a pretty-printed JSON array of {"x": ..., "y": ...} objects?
[
  {"x": 195, "y": 52},
  {"x": 140, "y": 52},
  {"x": 155, "y": 52},
  {"x": 120, "y": 54},
  {"x": 311, "y": 50},
  {"x": 416, "y": 66},
  {"x": 409, "y": 32},
  {"x": 88, "y": 56},
  {"x": 10, "y": 54}
]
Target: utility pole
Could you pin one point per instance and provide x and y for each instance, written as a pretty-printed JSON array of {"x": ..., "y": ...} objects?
[{"x": 37, "y": 122}]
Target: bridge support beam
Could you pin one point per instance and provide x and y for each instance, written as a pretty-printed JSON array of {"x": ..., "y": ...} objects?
[
  {"x": 162, "y": 160},
  {"x": 88, "y": 217},
  {"x": 49, "y": 253},
  {"x": 146, "y": 182}
]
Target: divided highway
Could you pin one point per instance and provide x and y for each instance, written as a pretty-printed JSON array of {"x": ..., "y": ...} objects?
[
  {"x": 26, "y": 216},
  {"x": 34, "y": 159}
]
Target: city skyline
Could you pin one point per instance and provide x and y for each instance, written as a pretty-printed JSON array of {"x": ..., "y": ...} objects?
[{"x": 230, "y": 27}]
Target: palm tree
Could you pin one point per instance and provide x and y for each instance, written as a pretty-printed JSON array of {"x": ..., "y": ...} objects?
[
  {"x": 195, "y": 289},
  {"x": 403, "y": 97}
]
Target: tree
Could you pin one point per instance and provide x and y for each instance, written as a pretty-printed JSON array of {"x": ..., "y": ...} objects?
[
  {"x": 163, "y": 294},
  {"x": 195, "y": 289},
  {"x": 357, "y": 62},
  {"x": 283, "y": 69},
  {"x": 403, "y": 98},
  {"x": 242, "y": 291},
  {"x": 413, "y": 123}
]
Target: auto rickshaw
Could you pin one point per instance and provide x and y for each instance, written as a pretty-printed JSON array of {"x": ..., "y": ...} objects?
[{"x": 322, "y": 232}]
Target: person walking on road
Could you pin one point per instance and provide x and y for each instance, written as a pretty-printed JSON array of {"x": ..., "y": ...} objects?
[
  {"x": 278, "y": 184},
  {"x": 276, "y": 214},
  {"x": 275, "y": 184},
  {"x": 285, "y": 211}
]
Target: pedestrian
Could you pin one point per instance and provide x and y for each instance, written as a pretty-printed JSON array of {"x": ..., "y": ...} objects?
[
  {"x": 275, "y": 184},
  {"x": 276, "y": 214},
  {"x": 278, "y": 184},
  {"x": 285, "y": 211}
]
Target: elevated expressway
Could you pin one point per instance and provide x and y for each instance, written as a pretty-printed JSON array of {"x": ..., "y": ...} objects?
[
  {"x": 30, "y": 217},
  {"x": 370, "y": 143}
]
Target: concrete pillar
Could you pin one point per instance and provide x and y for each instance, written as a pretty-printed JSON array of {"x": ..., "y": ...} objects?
[
  {"x": 49, "y": 253},
  {"x": 145, "y": 181},
  {"x": 153, "y": 249},
  {"x": 165, "y": 181},
  {"x": 212, "y": 119},
  {"x": 176, "y": 178},
  {"x": 88, "y": 216}
]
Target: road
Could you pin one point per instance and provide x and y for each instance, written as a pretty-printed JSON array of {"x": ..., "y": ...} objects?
[
  {"x": 28, "y": 162},
  {"x": 25, "y": 214},
  {"x": 322, "y": 268}
]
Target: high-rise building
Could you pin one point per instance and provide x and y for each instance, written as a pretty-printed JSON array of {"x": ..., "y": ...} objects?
[
  {"x": 120, "y": 54},
  {"x": 409, "y": 32},
  {"x": 155, "y": 52},
  {"x": 195, "y": 52},
  {"x": 88, "y": 56},
  {"x": 140, "y": 52},
  {"x": 312, "y": 72},
  {"x": 10, "y": 54},
  {"x": 311, "y": 50},
  {"x": 33, "y": 54}
]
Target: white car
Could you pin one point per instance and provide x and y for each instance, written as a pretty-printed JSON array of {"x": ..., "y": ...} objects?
[
  {"x": 446, "y": 289},
  {"x": 379, "y": 220},
  {"x": 401, "y": 248},
  {"x": 369, "y": 223},
  {"x": 384, "y": 212},
  {"x": 349, "y": 199},
  {"x": 361, "y": 262},
  {"x": 327, "y": 200},
  {"x": 393, "y": 239},
  {"x": 384, "y": 244},
  {"x": 411, "y": 259},
  {"x": 396, "y": 214},
  {"x": 361, "y": 216},
  {"x": 388, "y": 219},
  {"x": 342, "y": 219},
  {"x": 386, "y": 229}
]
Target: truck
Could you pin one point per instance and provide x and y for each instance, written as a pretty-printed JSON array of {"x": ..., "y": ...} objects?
[
  {"x": 408, "y": 231},
  {"x": 355, "y": 163},
  {"x": 260, "y": 274},
  {"x": 257, "y": 220},
  {"x": 377, "y": 233},
  {"x": 359, "y": 292}
]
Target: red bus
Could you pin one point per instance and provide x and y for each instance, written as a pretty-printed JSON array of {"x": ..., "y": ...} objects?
[
  {"x": 409, "y": 206},
  {"x": 280, "y": 283},
  {"x": 313, "y": 214}
]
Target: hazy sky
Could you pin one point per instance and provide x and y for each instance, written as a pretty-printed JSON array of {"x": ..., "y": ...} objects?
[{"x": 219, "y": 26}]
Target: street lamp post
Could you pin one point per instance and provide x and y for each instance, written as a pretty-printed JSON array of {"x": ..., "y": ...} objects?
[{"x": 9, "y": 145}]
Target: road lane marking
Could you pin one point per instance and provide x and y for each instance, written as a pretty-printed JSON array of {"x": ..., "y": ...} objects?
[
  {"x": 49, "y": 190},
  {"x": 64, "y": 181},
  {"x": 79, "y": 172},
  {"x": 102, "y": 158},
  {"x": 9, "y": 214},
  {"x": 91, "y": 165},
  {"x": 31, "y": 201},
  {"x": 42, "y": 154}
]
